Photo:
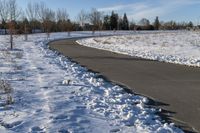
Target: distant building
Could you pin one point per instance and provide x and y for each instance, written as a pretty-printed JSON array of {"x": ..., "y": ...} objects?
[
  {"x": 4, "y": 31},
  {"x": 88, "y": 26},
  {"x": 36, "y": 31},
  {"x": 194, "y": 28},
  {"x": 197, "y": 27}
]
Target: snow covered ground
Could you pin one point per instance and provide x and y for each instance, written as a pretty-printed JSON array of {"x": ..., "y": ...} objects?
[
  {"x": 180, "y": 47},
  {"x": 42, "y": 91}
]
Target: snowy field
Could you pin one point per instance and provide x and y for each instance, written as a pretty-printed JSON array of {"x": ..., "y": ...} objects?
[
  {"x": 180, "y": 47},
  {"x": 42, "y": 91}
]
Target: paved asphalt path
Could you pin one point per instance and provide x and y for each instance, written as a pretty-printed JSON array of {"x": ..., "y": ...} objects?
[{"x": 175, "y": 88}]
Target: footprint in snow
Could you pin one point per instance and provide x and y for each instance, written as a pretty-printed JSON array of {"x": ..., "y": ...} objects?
[
  {"x": 63, "y": 131},
  {"x": 37, "y": 129},
  {"x": 61, "y": 117},
  {"x": 114, "y": 130},
  {"x": 11, "y": 125}
]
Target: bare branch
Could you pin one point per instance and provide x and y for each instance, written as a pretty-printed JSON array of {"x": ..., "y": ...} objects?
[
  {"x": 82, "y": 18},
  {"x": 13, "y": 10},
  {"x": 4, "y": 10},
  {"x": 96, "y": 18},
  {"x": 62, "y": 15},
  {"x": 32, "y": 11}
]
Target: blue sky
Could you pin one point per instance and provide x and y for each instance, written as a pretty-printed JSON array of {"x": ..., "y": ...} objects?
[{"x": 179, "y": 10}]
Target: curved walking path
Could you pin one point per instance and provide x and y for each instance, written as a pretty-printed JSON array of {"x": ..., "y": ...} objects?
[{"x": 176, "y": 87}]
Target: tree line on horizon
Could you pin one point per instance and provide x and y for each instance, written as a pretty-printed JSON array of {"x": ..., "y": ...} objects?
[{"x": 39, "y": 17}]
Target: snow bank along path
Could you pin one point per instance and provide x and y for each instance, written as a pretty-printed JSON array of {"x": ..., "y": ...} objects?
[
  {"x": 51, "y": 94},
  {"x": 180, "y": 47}
]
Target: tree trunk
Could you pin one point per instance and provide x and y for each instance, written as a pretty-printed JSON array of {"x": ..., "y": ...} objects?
[{"x": 11, "y": 40}]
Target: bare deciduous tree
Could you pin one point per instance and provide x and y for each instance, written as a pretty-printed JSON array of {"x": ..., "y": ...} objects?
[
  {"x": 82, "y": 18},
  {"x": 10, "y": 12},
  {"x": 13, "y": 10},
  {"x": 96, "y": 18},
  {"x": 4, "y": 13},
  {"x": 62, "y": 15},
  {"x": 144, "y": 22},
  {"x": 69, "y": 27},
  {"x": 32, "y": 13},
  {"x": 3, "y": 10},
  {"x": 62, "y": 18},
  {"x": 47, "y": 16}
]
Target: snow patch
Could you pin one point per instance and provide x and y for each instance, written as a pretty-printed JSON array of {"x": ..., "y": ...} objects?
[
  {"x": 179, "y": 47},
  {"x": 45, "y": 100}
]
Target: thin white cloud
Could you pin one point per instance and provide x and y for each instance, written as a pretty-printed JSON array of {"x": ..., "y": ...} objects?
[
  {"x": 185, "y": 2},
  {"x": 148, "y": 13},
  {"x": 113, "y": 8},
  {"x": 135, "y": 6},
  {"x": 148, "y": 10}
]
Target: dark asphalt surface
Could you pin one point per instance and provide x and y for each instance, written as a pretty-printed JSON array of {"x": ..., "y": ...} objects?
[{"x": 176, "y": 87}]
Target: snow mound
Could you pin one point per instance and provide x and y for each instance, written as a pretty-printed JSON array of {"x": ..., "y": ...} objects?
[
  {"x": 181, "y": 47},
  {"x": 52, "y": 94}
]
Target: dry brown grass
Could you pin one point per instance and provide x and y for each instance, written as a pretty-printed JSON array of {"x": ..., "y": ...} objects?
[{"x": 6, "y": 93}]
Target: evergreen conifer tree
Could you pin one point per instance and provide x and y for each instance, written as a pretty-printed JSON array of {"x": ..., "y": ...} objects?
[
  {"x": 125, "y": 23},
  {"x": 114, "y": 21},
  {"x": 156, "y": 24}
]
